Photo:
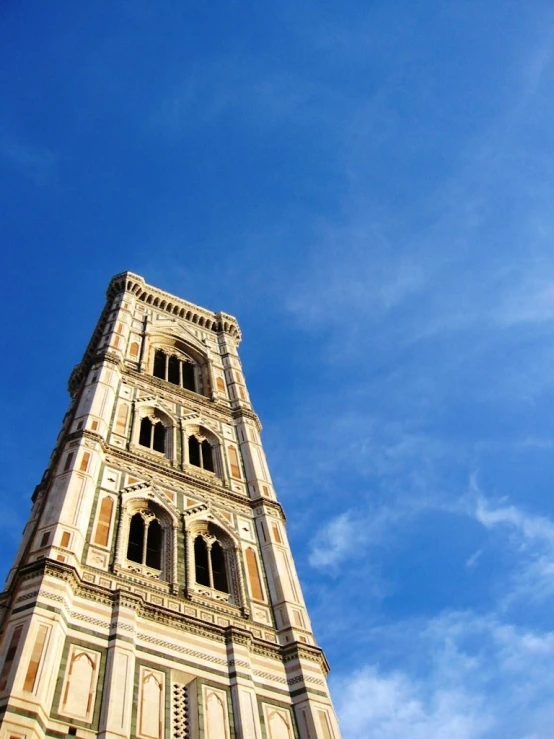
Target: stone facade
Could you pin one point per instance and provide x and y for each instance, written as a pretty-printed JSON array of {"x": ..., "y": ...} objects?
[{"x": 154, "y": 594}]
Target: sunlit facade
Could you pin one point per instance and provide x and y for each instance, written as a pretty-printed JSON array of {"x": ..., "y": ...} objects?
[{"x": 154, "y": 594}]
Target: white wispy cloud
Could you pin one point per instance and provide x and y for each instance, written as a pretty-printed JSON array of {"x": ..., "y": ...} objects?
[
  {"x": 529, "y": 528},
  {"x": 351, "y": 531},
  {"x": 473, "y": 561},
  {"x": 528, "y": 536},
  {"x": 473, "y": 677},
  {"x": 376, "y": 706},
  {"x": 334, "y": 541},
  {"x": 532, "y": 302}
]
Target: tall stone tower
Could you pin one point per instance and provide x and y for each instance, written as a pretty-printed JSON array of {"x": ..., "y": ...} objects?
[{"x": 154, "y": 594}]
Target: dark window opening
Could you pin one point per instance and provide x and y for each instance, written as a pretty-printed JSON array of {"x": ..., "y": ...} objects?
[
  {"x": 159, "y": 437},
  {"x": 154, "y": 545},
  {"x": 207, "y": 456},
  {"x": 173, "y": 371},
  {"x": 152, "y": 435},
  {"x": 136, "y": 539},
  {"x": 189, "y": 382},
  {"x": 160, "y": 360},
  {"x": 145, "y": 542},
  {"x": 145, "y": 432},
  {"x": 201, "y": 453},
  {"x": 201, "y": 562},
  {"x": 218, "y": 568},
  {"x": 210, "y": 565},
  {"x": 194, "y": 451}
]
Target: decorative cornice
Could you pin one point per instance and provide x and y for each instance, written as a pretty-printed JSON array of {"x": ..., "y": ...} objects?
[
  {"x": 174, "y": 473},
  {"x": 160, "y": 470},
  {"x": 298, "y": 651},
  {"x": 129, "y": 282},
  {"x": 260, "y": 503},
  {"x": 175, "y": 393},
  {"x": 235, "y": 633},
  {"x": 242, "y": 412}
]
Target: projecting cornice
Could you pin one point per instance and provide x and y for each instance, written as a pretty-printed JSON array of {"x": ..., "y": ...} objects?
[{"x": 172, "y": 305}]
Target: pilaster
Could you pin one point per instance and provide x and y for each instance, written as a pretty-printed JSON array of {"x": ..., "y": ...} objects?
[
  {"x": 115, "y": 720},
  {"x": 247, "y": 722}
]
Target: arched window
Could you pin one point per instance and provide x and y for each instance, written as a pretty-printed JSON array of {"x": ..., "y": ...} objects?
[
  {"x": 175, "y": 369},
  {"x": 152, "y": 434},
  {"x": 209, "y": 562},
  {"x": 145, "y": 540},
  {"x": 201, "y": 453}
]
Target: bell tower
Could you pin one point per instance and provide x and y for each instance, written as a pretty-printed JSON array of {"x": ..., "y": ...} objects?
[{"x": 154, "y": 594}]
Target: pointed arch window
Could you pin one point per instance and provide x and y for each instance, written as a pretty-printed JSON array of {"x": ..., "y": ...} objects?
[
  {"x": 174, "y": 369},
  {"x": 210, "y": 565},
  {"x": 152, "y": 434},
  {"x": 201, "y": 453},
  {"x": 145, "y": 543}
]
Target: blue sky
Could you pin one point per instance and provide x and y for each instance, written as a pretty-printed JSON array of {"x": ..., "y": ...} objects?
[{"x": 368, "y": 188}]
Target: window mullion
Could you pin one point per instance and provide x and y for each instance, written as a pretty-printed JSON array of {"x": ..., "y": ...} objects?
[
  {"x": 180, "y": 374},
  {"x": 166, "y": 366},
  {"x": 210, "y": 571},
  {"x": 145, "y": 542},
  {"x": 200, "y": 457}
]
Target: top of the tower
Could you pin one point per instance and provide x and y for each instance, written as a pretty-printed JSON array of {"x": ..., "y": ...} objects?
[
  {"x": 173, "y": 305},
  {"x": 130, "y": 284}
]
